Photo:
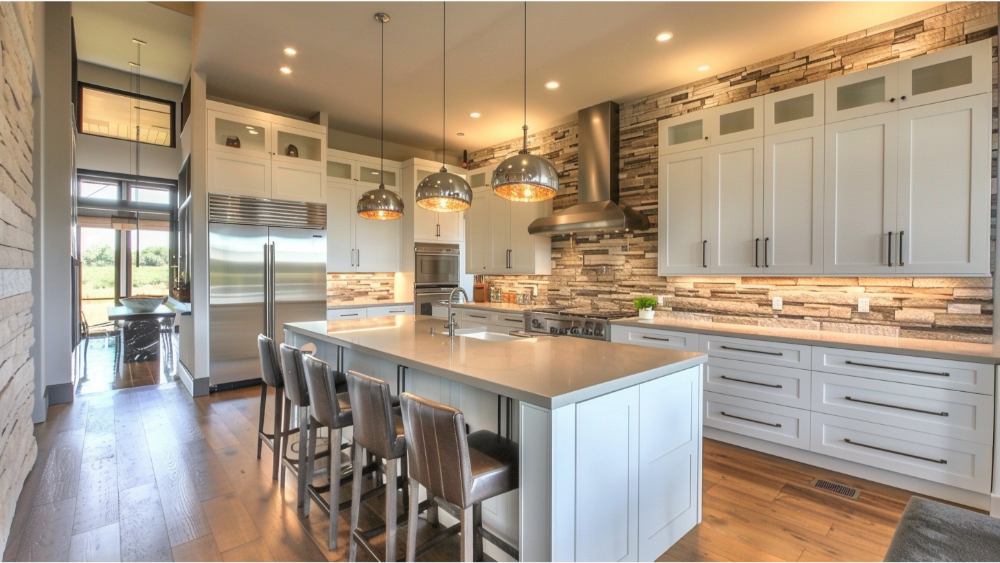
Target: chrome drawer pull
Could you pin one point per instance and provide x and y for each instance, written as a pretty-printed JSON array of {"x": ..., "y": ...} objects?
[
  {"x": 943, "y": 373},
  {"x": 349, "y": 314},
  {"x": 776, "y": 425},
  {"x": 476, "y": 317},
  {"x": 750, "y": 382},
  {"x": 941, "y": 461},
  {"x": 895, "y": 407},
  {"x": 752, "y": 351},
  {"x": 398, "y": 311},
  {"x": 644, "y": 337}
]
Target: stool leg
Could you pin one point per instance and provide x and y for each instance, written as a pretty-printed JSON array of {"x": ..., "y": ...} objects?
[
  {"x": 279, "y": 402},
  {"x": 286, "y": 429},
  {"x": 303, "y": 458},
  {"x": 477, "y": 536},
  {"x": 335, "y": 468},
  {"x": 467, "y": 533},
  {"x": 260, "y": 422},
  {"x": 313, "y": 432},
  {"x": 390, "y": 508},
  {"x": 411, "y": 521},
  {"x": 359, "y": 459}
]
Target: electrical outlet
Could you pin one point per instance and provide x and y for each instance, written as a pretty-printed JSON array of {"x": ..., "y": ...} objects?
[
  {"x": 776, "y": 303},
  {"x": 660, "y": 300},
  {"x": 863, "y": 304}
]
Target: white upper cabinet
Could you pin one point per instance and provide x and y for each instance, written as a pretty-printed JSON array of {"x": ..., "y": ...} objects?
[
  {"x": 238, "y": 174},
  {"x": 861, "y": 157},
  {"x": 945, "y": 75},
  {"x": 685, "y": 218},
  {"x": 498, "y": 258},
  {"x": 429, "y": 226},
  {"x": 341, "y": 210},
  {"x": 943, "y": 199},
  {"x": 298, "y": 181},
  {"x": 496, "y": 234},
  {"x": 793, "y": 202},
  {"x": 238, "y": 134},
  {"x": 365, "y": 170},
  {"x": 795, "y": 108},
  {"x": 355, "y": 244},
  {"x": 736, "y": 201},
  {"x": 858, "y": 94},
  {"x": 686, "y": 132},
  {"x": 477, "y": 234},
  {"x": 298, "y": 146},
  {"x": 738, "y": 121}
]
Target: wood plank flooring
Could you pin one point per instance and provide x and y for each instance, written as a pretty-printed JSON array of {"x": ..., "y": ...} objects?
[{"x": 151, "y": 474}]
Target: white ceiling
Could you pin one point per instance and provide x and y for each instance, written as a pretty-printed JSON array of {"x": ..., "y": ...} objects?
[
  {"x": 596, "y": 50},
  {"x": 104, "y": 33}
]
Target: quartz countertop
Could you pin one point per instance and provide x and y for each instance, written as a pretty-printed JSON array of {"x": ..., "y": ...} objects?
[
  {"x": 547, "y": 371},
  {"x": 942, "y": 349},
  {"x": 362, "y": 305}
]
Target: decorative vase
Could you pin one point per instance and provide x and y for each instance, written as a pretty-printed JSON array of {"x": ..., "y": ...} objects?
[
  {"x": 646, "y": 314},
  {"x": 233, "y": 141},
  {"x": 292, "y": 151}
]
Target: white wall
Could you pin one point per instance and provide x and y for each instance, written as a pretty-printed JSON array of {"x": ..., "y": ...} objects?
[{"x": 116, "y": 155}]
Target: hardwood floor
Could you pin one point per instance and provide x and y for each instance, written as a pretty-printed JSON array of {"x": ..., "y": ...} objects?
[{"x": 151, "y": 474}]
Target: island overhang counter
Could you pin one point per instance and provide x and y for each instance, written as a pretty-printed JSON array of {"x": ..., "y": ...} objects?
[{"x": 609, "y": 434}]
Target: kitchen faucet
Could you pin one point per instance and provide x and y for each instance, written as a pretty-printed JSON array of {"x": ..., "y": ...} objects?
[{"x": 452, "y": 325}]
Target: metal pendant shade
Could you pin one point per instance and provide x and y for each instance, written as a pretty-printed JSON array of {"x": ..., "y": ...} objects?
[
  {"x": 525, "y": 177},
  {"x": 381, "y": 204},
  {"x": 443, "y": 191}
]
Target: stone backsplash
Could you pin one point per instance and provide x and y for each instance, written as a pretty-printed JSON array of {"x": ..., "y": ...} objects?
[
  {"x": 360, "y": 289},
  {"x": 607, "y": 272}
]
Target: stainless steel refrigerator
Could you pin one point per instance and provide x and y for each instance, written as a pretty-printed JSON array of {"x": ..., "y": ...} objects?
[{"x": 267, "y": 267}]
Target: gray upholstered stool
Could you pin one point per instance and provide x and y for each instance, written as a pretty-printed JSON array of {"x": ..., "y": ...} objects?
[
  {"x": 932, "y": 531},
  {"x": 270, "y": 373},
  {"x": 463, "y": 470}
]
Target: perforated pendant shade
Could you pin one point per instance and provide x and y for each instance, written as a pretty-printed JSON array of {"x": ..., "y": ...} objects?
[
  {"x": 526, "y": 178},
  {"x": 444, "y": 192},
  {"x": 380, "y": 205}
]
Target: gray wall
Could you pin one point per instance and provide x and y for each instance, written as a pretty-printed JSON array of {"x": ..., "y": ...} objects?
[{"x": 115, "y": 155}]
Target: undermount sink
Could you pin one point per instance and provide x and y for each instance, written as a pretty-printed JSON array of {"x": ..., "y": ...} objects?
[{"x": 488, "y": 336}]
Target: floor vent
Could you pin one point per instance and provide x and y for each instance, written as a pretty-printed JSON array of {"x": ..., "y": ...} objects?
[{"x": 836, "y": 488}]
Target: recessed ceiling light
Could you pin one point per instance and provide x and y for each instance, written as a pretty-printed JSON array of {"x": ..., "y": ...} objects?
[
  {"x": 552, "y": 85},
  {"x": 250, "y": 127},
  {"x": 474, "y": 114},
  {"x": 665, "y": 36},
  {"x": 285, "y": 70},
  {"x": 703, "y": 68},
  {"x": 252, "y": 132},
  {"x": 461, "y": 134},
  {"x": 289, "y": 51}
]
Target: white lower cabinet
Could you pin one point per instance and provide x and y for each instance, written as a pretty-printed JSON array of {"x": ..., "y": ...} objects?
[
  {"x": 368, "y": 312},
  {"x": 655, "y": 338},
  {"x": 346, "y": 314},
  {"x": 948, "y": 461},
  {"x": 770, "y": 384},
  {"x": 766, "y": 421},
  {"x": 390, "y": 310}
]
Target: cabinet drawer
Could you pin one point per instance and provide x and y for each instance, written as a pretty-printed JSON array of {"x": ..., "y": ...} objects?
[
  {"x": 962, "y": 464},
  {"x": 771, "y": 384},
  {"x": 945, "y": 374},
  {"x": 469, "y": 319},
  {"x": 388, "y": 310},
  {"x": 512, "y": 321},
  {"x": 774, "y": 423},
  {"x": 965, "y": 416},
  {"x": 655, "y": 338},
  {"x": 773, "y": 353},
  {"x": 346, "y": 314}
]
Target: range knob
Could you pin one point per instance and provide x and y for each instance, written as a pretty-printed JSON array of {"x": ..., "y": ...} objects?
[
  {"x": 535, "y": 323},
  {"x": 598, "y": 331},
  {"x": 588, "y": 331},
  {"x": 562, "y": 331},
  {"x": 574, "y": 330},
  {"x": 553, "y": 330}
]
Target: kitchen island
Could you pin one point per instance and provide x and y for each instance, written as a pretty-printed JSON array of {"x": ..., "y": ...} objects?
[{"x": 609, "y": 434}]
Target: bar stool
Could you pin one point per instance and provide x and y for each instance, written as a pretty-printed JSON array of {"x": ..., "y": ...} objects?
[
  {"x": 297, "y": 394},
  {"x": 270, "y": 373},
  {"x": 462, "y": 470}
]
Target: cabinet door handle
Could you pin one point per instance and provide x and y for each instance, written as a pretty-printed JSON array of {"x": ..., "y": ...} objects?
[
  {"x": 901, "y": 248},
  {"x": 756, "y": 251},
  {"x": 476, "y": 317},
  {"x": 704, "y": 254},
  {"x": 657, "y": 338},
  {"x": 726, "y": 377},
  {"x": 514, "y": 320},
  {"x": 348, "y": 314},
  {"x": 941, "y": 461},
  {"x": 892, "y": 99},
  {"x": 942, "y": 373},
  {"x": 853, "y": 400},
  {"x": 752, "y": 351},
  {"x": 766, "y": 240},
  {"x": 774, "y": 424},
  {"x": 902, "y": 97},
  {"x": 890, "y": 249},
  {"x": 439, "y": 229},
  {"x": 398, "y": 311},
  {"x": 359, "y": 257}
]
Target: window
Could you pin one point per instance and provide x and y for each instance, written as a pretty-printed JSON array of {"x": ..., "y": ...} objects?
[
  {"x": 107, "y": 112},
  {"x": 98, "y": 189}
]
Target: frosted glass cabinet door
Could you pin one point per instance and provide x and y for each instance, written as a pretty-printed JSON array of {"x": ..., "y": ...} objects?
[
  {"x": 946, "y": 75},
  {"x": 684, "y": 202},
  {"x": 860, "y": 194},
  {"x": 736, "y": 185},
  {"x": 858, "y": 94},
  {"x": 944, "y": 188},
  {"x": 795, "y": 108},
  {"x": 738, "y": 121},
  {"x": 793, "y": 202},
  {"x": 686, "y": 132}
]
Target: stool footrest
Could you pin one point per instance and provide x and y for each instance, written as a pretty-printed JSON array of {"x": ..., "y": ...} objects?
[{"x": 487, "y": 535}]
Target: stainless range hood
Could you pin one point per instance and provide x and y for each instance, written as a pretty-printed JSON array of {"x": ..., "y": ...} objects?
[{"x": 597, "y": 209}]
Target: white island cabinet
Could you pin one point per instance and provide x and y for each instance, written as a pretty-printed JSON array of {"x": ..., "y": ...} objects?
[{"x": 609, "y": 434}]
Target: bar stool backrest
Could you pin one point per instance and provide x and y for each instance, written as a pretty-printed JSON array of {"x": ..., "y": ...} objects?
[
  {"x": 295, "y": 381},
  {"x": 437, "y": 449},
  {"x": 374, "y": 424},
  {"x": 270, "y": 369},
  {"x": 324, "y": 405}
]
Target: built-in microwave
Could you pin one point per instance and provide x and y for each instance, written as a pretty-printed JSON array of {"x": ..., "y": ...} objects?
[{"x": 436, "y": 265}]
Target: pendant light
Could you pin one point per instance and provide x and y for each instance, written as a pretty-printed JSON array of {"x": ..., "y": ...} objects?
[
  {"x": 443, "y": 191},
  {"x": 524, "y": 176},
  {"x": 381, "y": 204}
]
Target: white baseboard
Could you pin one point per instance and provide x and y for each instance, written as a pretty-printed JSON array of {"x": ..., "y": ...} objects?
[
  {"x": 197, "y": 387},
  {"x": 981, "y": 501}
]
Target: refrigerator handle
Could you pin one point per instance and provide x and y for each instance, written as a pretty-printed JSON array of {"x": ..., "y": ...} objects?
[
  {"x": 267, "y": 277},
  {"x": 273, "y": 297}
]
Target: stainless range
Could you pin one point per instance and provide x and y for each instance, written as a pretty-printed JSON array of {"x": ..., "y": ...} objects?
[{"x": 595, "y": 325}]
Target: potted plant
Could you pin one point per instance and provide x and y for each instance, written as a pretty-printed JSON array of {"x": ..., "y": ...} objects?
[{"x": 645, "y": 307}]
